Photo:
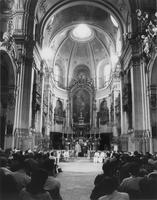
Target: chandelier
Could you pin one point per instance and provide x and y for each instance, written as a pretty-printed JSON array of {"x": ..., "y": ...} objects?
[{"x": 149, "y": 31}]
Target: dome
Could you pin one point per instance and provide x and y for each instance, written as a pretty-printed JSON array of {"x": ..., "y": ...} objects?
[{"x": 79, "y": 39}]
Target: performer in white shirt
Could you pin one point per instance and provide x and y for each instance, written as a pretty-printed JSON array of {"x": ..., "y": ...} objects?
[
  {"x": 77, "y": 149},
  {"x": 96, "y": 157}
]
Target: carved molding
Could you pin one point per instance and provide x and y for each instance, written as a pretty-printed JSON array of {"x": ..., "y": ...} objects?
[{"x": 82, "y": 83}]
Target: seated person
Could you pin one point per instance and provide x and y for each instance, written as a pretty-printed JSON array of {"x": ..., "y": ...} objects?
[
  {"x": 98, "y": 190},
  {"x": 35, "y": 189},
  {"x": 4, "y": 165},
  {"x": 110, "y": 185},
  {"x": 8, "y": 190},
  {"x": 20, "y": 176},
  {"x": 148, "y": 186},
  {"x": 131, "y": 184},
  {"x": 107, "y": 171},
  {"x": 52, "y": 184}
]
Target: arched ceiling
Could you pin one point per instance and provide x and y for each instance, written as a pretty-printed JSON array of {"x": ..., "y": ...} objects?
[
  {"x": 69, "y": 53},
  {"x": 57, "y": 22},
  {"x": 74, "y": 15}
]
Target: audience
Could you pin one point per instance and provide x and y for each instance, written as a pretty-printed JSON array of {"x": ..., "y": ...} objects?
[
  {"x": 35, "y": 189},
  {"x": 136, "y": 175},
  {"x": 131, "y": 183},
  {"x": 32, "y": 175},
  {"x": 110, "y": 185},
  {"x": 52, "y": 184},
  {"x": 98, "y": 190},
  {"x": 20, "y": 177},
  {"x": 8, "y": 189}
]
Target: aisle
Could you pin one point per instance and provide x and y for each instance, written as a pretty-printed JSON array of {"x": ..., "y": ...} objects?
[{"x": 77, "y": 179}]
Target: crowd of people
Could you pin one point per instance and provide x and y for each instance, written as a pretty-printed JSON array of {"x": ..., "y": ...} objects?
[
  {"x": 125, "y": 176},
  {"x": 29, "y": 176},
  {"x": 33, "y": 175}
]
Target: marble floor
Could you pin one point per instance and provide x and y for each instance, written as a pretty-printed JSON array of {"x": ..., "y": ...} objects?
[{"x": 77, "y": 178}]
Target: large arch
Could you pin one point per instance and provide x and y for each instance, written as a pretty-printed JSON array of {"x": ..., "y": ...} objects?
[
  {"x": 153, "y": 102},
  {"x": 7, "y": 101},
  {"x": 47, "y": 10}
]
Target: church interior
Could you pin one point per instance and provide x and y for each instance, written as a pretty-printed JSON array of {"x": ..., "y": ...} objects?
[{"x": 78, "y": 71}]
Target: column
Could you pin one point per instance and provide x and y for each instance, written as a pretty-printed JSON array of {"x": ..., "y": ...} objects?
[
  {"x": 18, "y": 105},
  {"x": 42, "y": 82},
  {"x": 149, "y": 131},
  {"x": 137, "y": 100},
  {"x": 48, "y": 113},
  {"x": 121, "y": 106}
]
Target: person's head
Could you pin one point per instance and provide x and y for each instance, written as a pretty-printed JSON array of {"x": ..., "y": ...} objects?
[
  {"x": 30, "y": 165},
  {"x": 38, "y": 179},
  {"x": 134, "y": 169},
  {"x": 107, "y": 169},
  {"x": 52, "y": 153},
  {"x": 153, "y": 175},
  {"x": 48, "y": 165},
  {"x": 110, "y": 184},
  {"x": 136, "y": 153}
]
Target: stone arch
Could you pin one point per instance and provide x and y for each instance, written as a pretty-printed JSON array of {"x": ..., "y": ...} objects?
[
  {"x": 7, "y": 102},
  {"x": 153, "y": 98},
  {"x": 45, "y": 10}
]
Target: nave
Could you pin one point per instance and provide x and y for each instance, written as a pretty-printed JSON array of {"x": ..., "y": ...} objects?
[
  {"x": 41, "y": 176},
  {"x": 78, "y": 71},
  {"x": 77, "y": 78},
  {"x": 77, "y": 179}
]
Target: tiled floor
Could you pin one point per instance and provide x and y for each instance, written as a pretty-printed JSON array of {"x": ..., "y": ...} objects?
[{"x": 77, "y": 179}]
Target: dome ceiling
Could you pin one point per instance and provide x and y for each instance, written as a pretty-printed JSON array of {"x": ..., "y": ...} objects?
[
  {"x": 91, "y": 15},
  {"x": 68, "y": 51}
]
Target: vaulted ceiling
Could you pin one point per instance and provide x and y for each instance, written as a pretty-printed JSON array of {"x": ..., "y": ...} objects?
[
  {"x": 108, "y": 21},
  {"x": 68, "y": 52}
]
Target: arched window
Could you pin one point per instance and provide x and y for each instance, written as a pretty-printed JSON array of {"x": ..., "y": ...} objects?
[
  {"x": 107, "y": 72},
  {"x": 104, "y": 74},
  {"x": 58, "y": 76}
]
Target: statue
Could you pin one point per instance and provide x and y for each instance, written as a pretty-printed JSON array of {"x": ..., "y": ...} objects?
[{"x": 103, "y": 113}]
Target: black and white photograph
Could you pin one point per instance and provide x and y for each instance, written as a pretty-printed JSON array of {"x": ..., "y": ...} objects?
[{"x": 78, "y": 99}]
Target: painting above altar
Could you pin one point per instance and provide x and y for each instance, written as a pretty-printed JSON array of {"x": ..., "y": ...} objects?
[{"x": 81, "y": 106}]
